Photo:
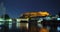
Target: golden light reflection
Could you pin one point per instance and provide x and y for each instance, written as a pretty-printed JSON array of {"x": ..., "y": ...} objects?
[{"x": 44, "y": 30}]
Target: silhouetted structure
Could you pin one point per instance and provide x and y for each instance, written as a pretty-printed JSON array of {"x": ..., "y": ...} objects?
[{"x": 6, "y": 23}]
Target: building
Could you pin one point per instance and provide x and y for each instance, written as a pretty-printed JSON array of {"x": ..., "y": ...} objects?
[{"x": 35, "y": 14}]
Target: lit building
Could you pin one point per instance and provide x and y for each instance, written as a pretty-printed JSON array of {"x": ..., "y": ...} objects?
[{"x": 35, "y": 14}]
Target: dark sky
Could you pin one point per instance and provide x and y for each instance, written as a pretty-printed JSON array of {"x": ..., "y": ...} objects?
[{"x": 15, "y": 7}]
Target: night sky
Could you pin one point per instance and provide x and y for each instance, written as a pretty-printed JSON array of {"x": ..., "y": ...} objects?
[{"x": 15, "y": 7}]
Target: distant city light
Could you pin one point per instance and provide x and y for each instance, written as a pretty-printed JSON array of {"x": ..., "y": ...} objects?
[
  {"x": 9, "y": 20},
  {"x": 40, "y": 20},
  {"x": 1, "y": 19},
  {"x": 22, "y": 19},
  {"x": 58, "y": 18},
  {"x": 47, "y": 18}
]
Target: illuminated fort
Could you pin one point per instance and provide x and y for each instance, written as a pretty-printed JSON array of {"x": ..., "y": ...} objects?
[{"x": 35, "y": 14}]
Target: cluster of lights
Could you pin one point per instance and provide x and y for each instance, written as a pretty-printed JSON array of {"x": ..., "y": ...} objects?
[
  {"x": 27, "y": 19},
  {"x": 1, "y": 19},
  {"x": 46, "y": 18}
]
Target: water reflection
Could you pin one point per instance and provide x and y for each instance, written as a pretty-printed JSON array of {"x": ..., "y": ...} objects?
[
  {"x": 25, "y": 27},
  {"x": 58, "y": 28}
]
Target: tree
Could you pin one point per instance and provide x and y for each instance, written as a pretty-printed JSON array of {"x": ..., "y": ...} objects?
[
  {"x": 5, "y": 16},
  {"x": 59, "y": 14},
  {"x": 6, "y": 23}
]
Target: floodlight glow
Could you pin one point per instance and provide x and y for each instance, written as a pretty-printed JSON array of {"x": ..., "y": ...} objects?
[
  {"x": 18, "y": 19},
  {"x": 9, "y": 20},
  {"x": 58, "y": 18},
  {"x": 47, "y": 18},
  {"x": 1, "y": 19},
  {"x": 40, "y": 20}
]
